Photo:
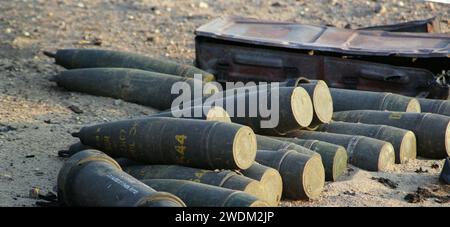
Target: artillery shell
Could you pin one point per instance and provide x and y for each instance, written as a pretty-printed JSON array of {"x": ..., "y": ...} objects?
[
  {"x": 322, "y": 101},
  {"x": 363, "y": 152},
  {"x": 435, "y": 106},
  {"x": 404, "y": 141},
  {"x": 94, "y": 58},
  {"x": 368, "y": 100},
  {"x": 91, "y": 178},
  {"x": 159, "y": 140},
  {"x": 202, "y": 195},
  {"x": 294, "y": 111},
  {"x": 334, "y": 156},
  {"x": 303, "y": 175},
  {"x": 274, "y": 143},
  {"x": 270, "y": 179},
  {"x": 225, "y": 179},
  {"x": 432, "y": 130},
  {"x": 133, "y": 85}
]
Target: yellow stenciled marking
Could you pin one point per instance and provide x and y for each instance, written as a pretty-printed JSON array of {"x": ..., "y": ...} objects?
[
  {"x": 107, "y": 143},
  {"x": 181, "y": 149},
  {"x": 98, "y": 139},
  {"x": 395, "y": 116},
  {"x": 181, "y": 139},
  {"x": 199, "y": 175},
  {"x": 133, "y": 129},
  {"x": 132, "y": 148},
  {"x": 123, "y": 140}
]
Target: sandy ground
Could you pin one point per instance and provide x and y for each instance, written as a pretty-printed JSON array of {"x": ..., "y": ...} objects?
[{"x": 35, "y": 119}]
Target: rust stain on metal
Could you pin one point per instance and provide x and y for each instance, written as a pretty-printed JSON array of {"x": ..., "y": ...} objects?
[
  {"x": 323, "y": 38},
  {"x": 242, "y": 49}
]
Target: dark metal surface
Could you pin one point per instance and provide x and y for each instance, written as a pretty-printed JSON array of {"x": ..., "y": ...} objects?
[
  {"x": 91, "y": 178},
  {"x": 237, "y": 61},
  {"x": 430, "y": 25},
  {"x": 432, "y": 130},
  {"x": 323, "y": 38}
]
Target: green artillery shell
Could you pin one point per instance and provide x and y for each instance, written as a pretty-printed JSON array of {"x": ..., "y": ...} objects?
[
  {"x": 91, "y": 178},
  {"x": 159, "y": 140},
  {"x": 303, "y": 175},
  {"x": 225, "y": 179},
  {"x": 435, "y": 106},
  {"x": 295, "y": 109},
  {"x": 202, "y": 195},
  {"x": 270, "y": 179},
  {"x": 322, "y": 101},
  {"x": 94, "y": 58},
  {"x": 214, "y": 113},
  {"x": 269, "y": 143},
  {"x": 363, "y": 152},
  {"x": 133, "y": 85},
  {"x": 334, "y": 157},
  {"x": 404, "y": 141},
  {"x": 432, "y": 130},
  {"x": 368, "y": 100},
  {"x": 334, "y": 163}
]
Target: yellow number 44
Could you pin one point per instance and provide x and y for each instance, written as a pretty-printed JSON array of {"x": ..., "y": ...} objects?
[{"x": 181, "y": 139}]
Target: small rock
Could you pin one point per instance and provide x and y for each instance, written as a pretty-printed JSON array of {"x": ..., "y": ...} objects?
[
  {"x": 118, "y": 102},
  {"x": 420, "y": 170},
  {"x": 48, "y": 121},
  {"x": 413, "y": 198},
  {"x": 401, "y": 4},
  {"x": 443, "y": 200},
  {"x": 7, "y": 128},
  {"x": 431, "y": 6},
  {"x": 379, "y": 8},
  {"x": 38, "y": 172},
  {"x": 81, "y": 5},
  {"x": 34, "y": 193},
  {"x": 27, "y": 34},
  {"x": 75, "y": 109},
  {"x": 351, "y": 193},
  {"x": 386, "y": 182},
  {"x": 6, "y": 177},
  {"x": 130, "y": 17},
  {"x": 203, "y": 5},
  {"x": 435, "y": 166},
  {"x": 97, "y": 41},
  {"x": 8, "y": 30},
  {"x": 276, "y": 4}
]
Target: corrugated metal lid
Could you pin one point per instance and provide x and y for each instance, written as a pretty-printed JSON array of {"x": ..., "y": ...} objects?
[{"x": 323, "y": 38}]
